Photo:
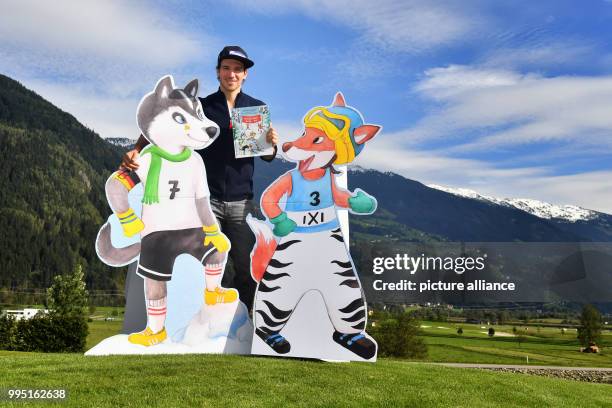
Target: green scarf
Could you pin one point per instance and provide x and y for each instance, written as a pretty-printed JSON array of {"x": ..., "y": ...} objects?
[{"x": 151, "y": 194}]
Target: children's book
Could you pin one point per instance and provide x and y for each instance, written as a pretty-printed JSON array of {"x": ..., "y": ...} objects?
[{"x": 250, "y": 126}]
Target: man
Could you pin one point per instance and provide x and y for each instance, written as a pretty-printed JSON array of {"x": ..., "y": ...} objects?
[{"x": 230, "y": 180}]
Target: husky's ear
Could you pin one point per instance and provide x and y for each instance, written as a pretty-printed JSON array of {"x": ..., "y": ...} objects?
[
  {"x": 164, "y": 87},
  {"x": 191, "y": 88},
  {"x": 339, "y": 100},
  {"x": 365, "y": 132}
]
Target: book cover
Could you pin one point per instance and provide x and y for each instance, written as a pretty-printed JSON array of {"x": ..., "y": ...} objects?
[{"x": 250, "y": 126}]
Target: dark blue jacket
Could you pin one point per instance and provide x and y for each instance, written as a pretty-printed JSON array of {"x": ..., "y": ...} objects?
[{"x": 229, "y": 179}]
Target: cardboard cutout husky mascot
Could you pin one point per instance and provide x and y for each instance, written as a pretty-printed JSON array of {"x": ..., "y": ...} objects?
[
  {"x": 305, "y": 250},
  {"x": 176, "y": 214}
]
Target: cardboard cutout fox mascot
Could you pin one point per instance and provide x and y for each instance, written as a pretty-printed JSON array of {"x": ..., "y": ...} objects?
[
  {"x": 305, "y": 250},
  {"x": 176, "y": 214}
]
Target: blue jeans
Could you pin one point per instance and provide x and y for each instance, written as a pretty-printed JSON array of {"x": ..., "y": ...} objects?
[{"x": 231, "y": 216}]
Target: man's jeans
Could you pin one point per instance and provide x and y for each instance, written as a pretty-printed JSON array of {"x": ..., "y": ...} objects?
[{"x": 231, "y": 216}]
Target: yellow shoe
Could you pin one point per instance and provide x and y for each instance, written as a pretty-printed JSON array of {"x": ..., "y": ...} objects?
[
  {"x": 147, "y": 337},
  {"x": 220, "y": 295}
]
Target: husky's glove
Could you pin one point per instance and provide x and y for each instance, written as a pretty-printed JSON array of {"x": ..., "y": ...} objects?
[
  {"x": 283, "y": 225},
  {"x": 216, "y": 237},
  {"x": 362, "y": 203},
  {"x": 130, "y": 223}
]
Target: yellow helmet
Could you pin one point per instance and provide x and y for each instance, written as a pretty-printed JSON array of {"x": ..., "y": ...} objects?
[{"x": 337, "y": 126}]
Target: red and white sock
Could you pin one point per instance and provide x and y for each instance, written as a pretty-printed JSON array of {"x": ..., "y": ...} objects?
[
  {"x": 213, "y": 275},
  {"x": 156, "y": 314}
]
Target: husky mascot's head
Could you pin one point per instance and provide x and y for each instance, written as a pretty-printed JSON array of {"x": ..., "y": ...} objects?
[{"x": 172, "y": 118}]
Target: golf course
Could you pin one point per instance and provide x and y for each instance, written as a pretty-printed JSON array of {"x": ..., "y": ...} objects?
[{"x": 223, "y": 380}]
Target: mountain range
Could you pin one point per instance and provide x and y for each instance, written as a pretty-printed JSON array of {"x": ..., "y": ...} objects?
[
  {"x": 540, "y": 209},
  {"x": 411, "y": 211},
  {"x": 53, "y": 202},
  {"x": 54, "y": 170}
]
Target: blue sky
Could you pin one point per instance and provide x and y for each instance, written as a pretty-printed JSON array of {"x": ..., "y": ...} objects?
[{"x": 512, "y": 99}]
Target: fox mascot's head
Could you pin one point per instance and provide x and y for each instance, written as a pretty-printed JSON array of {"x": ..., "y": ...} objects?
[{"x": 333, "y": 134}]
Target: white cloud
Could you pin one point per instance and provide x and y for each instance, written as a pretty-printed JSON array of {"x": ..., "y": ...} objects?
[
  {"x": 413, "y": 25},
  {"x": 115, "y": 48},
  {"x": 505, "y": 108},
  {"x": 547, "y": 55},
  {"x": 108, "y": 114},
  {"x": 590, "y": 190},
  {"x": 121, "y": 31},
  {"x": 448, "y": 82},
  {"x": 476, "y": 109},
  {"x": 429, "y": 167},
  {"x": 288, "y": 131},
  {"x": 96, "y": 59},
  {"x": 398, "y": 152}
]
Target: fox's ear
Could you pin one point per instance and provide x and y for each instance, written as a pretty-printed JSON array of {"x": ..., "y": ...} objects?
[
  {"x": 339, "y": 100},
  {"x": 164, "y": 87},
  {"x": 191, "y": 88},
  {"x": 365, "y": 132}
]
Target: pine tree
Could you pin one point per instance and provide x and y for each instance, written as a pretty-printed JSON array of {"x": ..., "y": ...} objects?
[
  {"x": 67, "y": 296},
  {"x": 589, "y": 331},
  {"x": 398, "y": 336}
]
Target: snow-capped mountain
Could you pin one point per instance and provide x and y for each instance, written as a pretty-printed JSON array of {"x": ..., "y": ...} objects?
[
  {"x": 406, "y": 204},
  {"x": 121, "y": 141},
  {"x": 541, "y": 209},
  {"x": 354, "y": 168}
]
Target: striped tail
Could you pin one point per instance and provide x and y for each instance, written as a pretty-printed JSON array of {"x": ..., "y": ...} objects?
[{"x": 264, "y": 247}]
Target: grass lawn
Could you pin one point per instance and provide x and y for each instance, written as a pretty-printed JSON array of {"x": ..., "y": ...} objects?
[
  {"x": 229, "y": 381},
  {"x": 547, "y": 347},
  {"x": 544, "y": 347},
  {"x": 103, "y": 312},
  {"x": 100, "y": 329}
]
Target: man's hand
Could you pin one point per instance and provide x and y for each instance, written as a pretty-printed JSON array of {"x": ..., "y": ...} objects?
[
  {"x": 128, "y": 161},
  {"x": 272, "y": 136}
]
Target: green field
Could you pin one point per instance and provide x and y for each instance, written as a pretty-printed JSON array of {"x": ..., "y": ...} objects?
[
  {"x": 100, "y": 329},
  {"x": 546, "y": 346},
  {"x": 218, "y": 381},
  {"x": 229, "y": 381}
]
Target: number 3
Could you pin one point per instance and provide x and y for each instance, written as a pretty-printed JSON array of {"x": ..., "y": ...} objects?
[{"x": 315, "y": 198}]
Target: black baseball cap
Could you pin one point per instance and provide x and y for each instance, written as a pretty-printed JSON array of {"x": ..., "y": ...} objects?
[{"x": 237, "y": 53}]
